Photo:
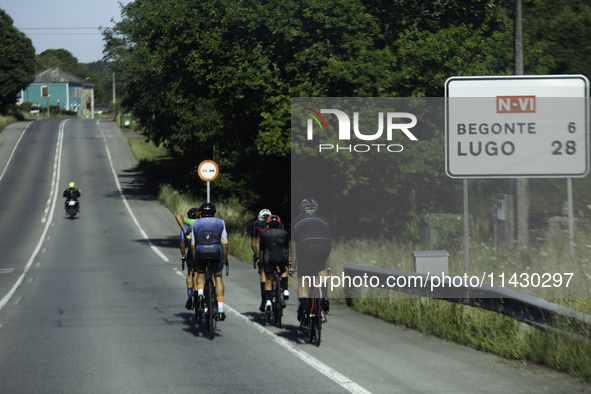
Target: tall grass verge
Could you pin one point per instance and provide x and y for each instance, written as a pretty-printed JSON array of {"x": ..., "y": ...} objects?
[{"x": 5, "y": 121}]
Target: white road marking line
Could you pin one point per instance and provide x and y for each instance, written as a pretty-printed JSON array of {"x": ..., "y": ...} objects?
[
  {"x": 154, "y": 248},
  {"x": 179, "y": 273},
  {"x": 30, "y": 280},
  {"x": 18, "y": 300},
  {"x": 6, "y": 270},
  {"x": 318, "y": 365},
  {"x": 8, "y": 296},
  {"x": 13, "y": 150},
  {"x": 38, "y": 264}
]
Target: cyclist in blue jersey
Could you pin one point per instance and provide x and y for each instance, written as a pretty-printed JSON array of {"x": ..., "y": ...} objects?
[
  {"x": 209, "y": 238},
  {"x": 184, "y": 244},
  {"x": 311, "y": 251}
]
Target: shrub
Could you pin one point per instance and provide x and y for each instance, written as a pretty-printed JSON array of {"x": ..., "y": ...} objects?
[{"x": 26, "y": 107}]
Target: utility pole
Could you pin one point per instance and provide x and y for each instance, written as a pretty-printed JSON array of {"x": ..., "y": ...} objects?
[
  {"x": 521, "y": 195},
  {"x": 114, "y": 87}
]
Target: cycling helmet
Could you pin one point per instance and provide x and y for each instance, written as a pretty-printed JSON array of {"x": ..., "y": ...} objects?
[
  {"x": 309, "y": 205},
  {"x": 207, "y": 209},
  {"x": 264, "y": 213},
  {"x": 273, "y": 221},
  {"x": 192, "y": 213},
  {"x": 72, "y": 184}
]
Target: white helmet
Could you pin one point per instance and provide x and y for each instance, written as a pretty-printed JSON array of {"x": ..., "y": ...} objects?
[{"x": 263, "y": 213}]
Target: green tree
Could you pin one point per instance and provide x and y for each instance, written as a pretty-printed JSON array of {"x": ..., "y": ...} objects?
[
  {"x": 104, "y": 76},
  {"x": 17, "y": 62},
  {"x": 214, "y": 79},
  {"x": 562, "y": 30}
]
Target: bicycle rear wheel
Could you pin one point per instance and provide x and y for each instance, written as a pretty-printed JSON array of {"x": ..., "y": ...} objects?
[
  {"x": 196, "y": 307},
  {"x": 312, "y": 321},
  {"x": 206, "y": 306},
  {"x": 278, "y": 310},
  {"x": 211, "y": 311},
  {"x": 318, "y": 322}
]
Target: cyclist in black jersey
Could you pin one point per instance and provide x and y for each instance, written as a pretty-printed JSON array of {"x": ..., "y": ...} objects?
[
  {"x": 258, "y": 226},
  {"x": 185, "y": 244},
  {"x": 274, "y": 252},
  {"x": 310, "y": 250}
]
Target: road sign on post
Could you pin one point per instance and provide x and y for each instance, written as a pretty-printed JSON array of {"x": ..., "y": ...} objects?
[
  {"x": 517, "y": 127},
  {"x": 208, "y": 170}
]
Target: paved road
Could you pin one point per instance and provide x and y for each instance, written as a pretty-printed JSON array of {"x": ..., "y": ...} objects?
[{"x": 96, "y": 304}]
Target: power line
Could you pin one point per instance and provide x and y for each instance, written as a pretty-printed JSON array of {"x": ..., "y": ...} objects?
[
  {"x": 64, "y": 34},
  {"x": 57, "y": 28}
]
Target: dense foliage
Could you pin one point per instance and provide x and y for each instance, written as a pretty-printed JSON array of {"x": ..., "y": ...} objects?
[
  {"x": 104, "y": 83},
  {"x": 214, "y": 79},
  {"x": 17, "y": 62}
]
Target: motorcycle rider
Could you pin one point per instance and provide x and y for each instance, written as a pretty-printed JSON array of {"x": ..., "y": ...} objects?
[{"x": 71, "y": 193}]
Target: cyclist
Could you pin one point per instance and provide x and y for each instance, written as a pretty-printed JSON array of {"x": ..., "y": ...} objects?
[
  {"x": 210, "y": 239},
  {"x": 258, "y": 226},
  {"x": 182, "y": 220},
  {"x": 184, "y": 245},
  {"x": 71, "y": 193},
  {"x": 274, "y": 252},
  {"x": 311, "y": 251}
]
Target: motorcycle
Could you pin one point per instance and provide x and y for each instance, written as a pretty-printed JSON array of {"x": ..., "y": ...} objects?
[{"x": 71, "y": 207}]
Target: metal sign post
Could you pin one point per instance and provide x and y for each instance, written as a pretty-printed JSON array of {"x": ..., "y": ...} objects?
[
  {"x": 466, "y": 233},
  {"x": 208, "y": 170}
]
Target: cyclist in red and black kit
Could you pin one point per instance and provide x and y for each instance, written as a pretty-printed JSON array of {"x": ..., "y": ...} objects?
[
  {"x": 258, "y": 226},
  {"x": 274, "y": 252},
  {"x": 311, "y": 251}
]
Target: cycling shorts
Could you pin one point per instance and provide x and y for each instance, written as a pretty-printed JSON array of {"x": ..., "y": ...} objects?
[
  {"x": 312, "y": 256},
  {"x": 204, "y": 252}
]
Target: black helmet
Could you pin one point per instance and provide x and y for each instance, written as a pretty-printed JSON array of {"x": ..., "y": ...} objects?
[
  {"x": 192, "y": 213},
  {"x": 309, "y": 205},
  {"x": 273, "y": 221},
  {"x": 207, "y": 209}
]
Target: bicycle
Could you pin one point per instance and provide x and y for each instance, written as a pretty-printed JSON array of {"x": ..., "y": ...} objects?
[
  {"x": 278, "y": 301},
  {"x": 313, "y": 323},
  {"x": 211, "y": 305}
]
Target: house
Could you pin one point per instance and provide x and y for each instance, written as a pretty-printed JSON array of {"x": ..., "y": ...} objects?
[{"x": 69, "y": 92}]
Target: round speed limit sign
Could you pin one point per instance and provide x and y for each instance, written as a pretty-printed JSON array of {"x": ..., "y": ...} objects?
[{"x": 208, "y": 170}]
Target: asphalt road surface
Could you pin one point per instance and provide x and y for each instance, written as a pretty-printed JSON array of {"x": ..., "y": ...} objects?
[{"x": 95, "y": 304}]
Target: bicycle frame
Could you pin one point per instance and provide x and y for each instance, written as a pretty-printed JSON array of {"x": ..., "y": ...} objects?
[
  {"x": 314, "y": 323},
  {"x": 277, "y": 299},
  {"x": 211, "y": 305}
]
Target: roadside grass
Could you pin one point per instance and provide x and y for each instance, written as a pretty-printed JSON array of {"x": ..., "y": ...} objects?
[
  {"x": 478, "y": 328},
  {"x": 5, "y": 121}
]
